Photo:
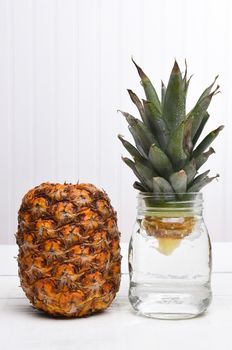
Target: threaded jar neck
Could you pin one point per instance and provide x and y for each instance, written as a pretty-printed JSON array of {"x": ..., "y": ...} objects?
[{"x": 181, "y": 204}]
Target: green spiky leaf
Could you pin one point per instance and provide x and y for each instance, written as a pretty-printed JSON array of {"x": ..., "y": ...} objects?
[
  {"x": 202, "y": 158},
  {"x": 149, "y": 89},
  {"x": 176, "y": 148},
  {"x": 156, "y": 123},
  {"x": 145, "y": 173},
  {"x": 174, "y": 101},
  {"x": 178, "y": 181},
  {"x": 187, "y": 137},
  {"x": 161, "y": 185},
  {"x": 207, "y": 91},
  {"x": 198, "y": 133},
  {"x": 200, "y": 177},
  {"x": 163, "y": 92},
  {"x": 160, "y": 161},
  {"x": 137, "y": 102},
  {"x": 186, "y": 80},
  {"x": 140, "y": 175},
  {"x": 206, "y": 142},
  {"x": 200, "y": 184},
  {"x": 167, "y": 154},
  {"x": 200, "y": 109},
  {"x": 130, "y": 148},
  {"x": 190, "y": 170},
  {"x": 141, "y": 134},
  {"x": 138, "y": 186}
]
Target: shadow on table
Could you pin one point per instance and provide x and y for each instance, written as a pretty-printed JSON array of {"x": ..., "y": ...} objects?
[{"x": 31, "y": 311}]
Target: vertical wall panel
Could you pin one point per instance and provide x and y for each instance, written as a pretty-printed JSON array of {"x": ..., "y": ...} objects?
[
  {"x": 109, "y": 98},
  {"x": 19, "y": 110},
  {"x": 65, "y": 67},
  {"x": 131, "y": 30},
  {"x": 22, "y": 99},
  {"x": 226, "y": 103},
  {"x": 65, "y": 52},
  {"x": 88, "y": 39},
  {"x": 45, "y": 90},
  {"x": 6, "y": 120}
]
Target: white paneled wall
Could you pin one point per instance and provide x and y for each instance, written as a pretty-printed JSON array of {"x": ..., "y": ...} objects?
[{"x": 64, "y": 69}]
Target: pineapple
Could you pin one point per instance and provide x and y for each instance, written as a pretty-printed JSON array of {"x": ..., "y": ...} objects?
[
  {"x": 69, "y": 254},
  {"x": 167, "y": 154}
]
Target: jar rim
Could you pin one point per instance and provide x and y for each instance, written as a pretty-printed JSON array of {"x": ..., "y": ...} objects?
[
  {"x": 178, "y": 197},
  {"x": 170, "y": 202}
]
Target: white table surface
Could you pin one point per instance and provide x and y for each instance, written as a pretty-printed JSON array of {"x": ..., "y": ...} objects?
[{"x": 22, "y": 327}]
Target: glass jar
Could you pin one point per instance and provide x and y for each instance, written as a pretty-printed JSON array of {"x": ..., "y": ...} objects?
[{"x": 170, "y": 257}]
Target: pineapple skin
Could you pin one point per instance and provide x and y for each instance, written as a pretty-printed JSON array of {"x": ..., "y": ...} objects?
[{"x": 69, "y": 254}]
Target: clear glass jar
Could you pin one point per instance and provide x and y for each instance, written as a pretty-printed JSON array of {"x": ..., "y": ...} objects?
[{"x": 170, "y": 257}]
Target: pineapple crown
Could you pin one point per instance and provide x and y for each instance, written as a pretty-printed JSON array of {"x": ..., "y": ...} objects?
[{"x": 168, "y": 156}]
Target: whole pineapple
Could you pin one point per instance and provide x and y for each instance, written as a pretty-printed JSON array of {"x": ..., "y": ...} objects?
[
  {"x": 69, "y": 254},
  {"x": 167, "y": 155}
]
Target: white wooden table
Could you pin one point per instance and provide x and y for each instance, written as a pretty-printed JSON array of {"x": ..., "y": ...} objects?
[{"x": 22, "y": 327}]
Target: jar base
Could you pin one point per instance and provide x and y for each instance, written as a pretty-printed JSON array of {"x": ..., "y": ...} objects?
[
  {"x": 164, "y": 316},
  {"x": 181, "y": 303}
]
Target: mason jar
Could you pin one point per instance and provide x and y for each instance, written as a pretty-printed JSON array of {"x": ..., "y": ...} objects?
[{"x": 170, "y": 257}]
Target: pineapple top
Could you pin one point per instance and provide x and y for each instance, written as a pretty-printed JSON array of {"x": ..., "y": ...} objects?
[{"x": 167, "y": 155}]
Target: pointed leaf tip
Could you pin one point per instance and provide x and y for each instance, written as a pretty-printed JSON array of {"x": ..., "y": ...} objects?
[
  {"x": 215, "y": 92},
  {"x": 221, "y": 127},
  {"x": 130, "y": 119},
  {"x": 202, "y": 158},
  {"x": 130, "y": 92},
  {"x": 186, "y": 65},
  {"x": 198, "y": 185},
  {"x": 134, "y": 98},
  {"x": 174, "y": 100},
  {"x": 138, "y": 186},
  {"x": 149, "y": 89},
  {"x": 140, "y": 71},
  {"x": 185, "y": 74},
  {"x": 176, "y": 68},
  {"x": 211, "y": 150},
  {"x": 206, "y": 142}
]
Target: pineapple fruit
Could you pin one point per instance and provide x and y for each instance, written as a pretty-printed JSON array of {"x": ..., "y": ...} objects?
[
  {"x": 69, "y": 253},
  {"x": 167, "y": 154}
]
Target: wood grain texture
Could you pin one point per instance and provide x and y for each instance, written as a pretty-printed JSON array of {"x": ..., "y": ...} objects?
[{"x": 65, "y": 67}]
